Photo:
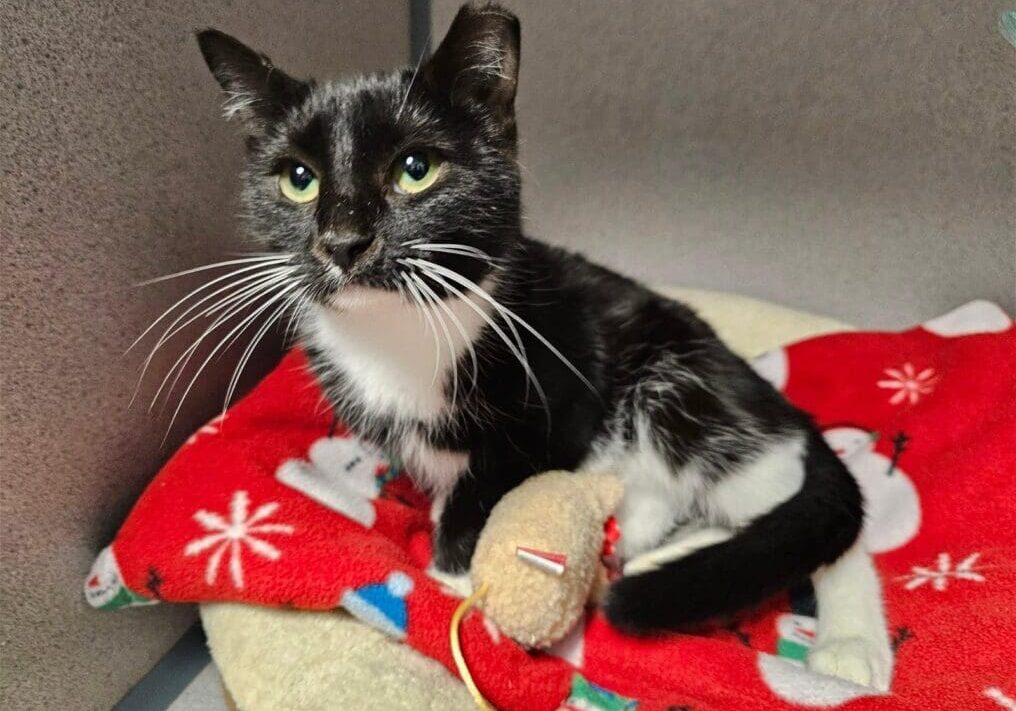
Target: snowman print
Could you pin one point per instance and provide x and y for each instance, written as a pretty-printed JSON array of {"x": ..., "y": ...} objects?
[
  {"x": 342, "y": 473},
  {"x": 892, "y": 507}
]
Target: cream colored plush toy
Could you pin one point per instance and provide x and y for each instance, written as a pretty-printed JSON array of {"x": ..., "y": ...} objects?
[{"x": 539, "y": 555}]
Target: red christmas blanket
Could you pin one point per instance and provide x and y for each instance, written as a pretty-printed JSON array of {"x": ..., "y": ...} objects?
[{"x": 276, "y": 504}]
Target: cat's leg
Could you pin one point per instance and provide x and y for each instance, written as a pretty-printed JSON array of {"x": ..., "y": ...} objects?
[
  {"x": 852, "y": 641},
  {"x": 460, "y": 582},
  {"x": 467, "y": 507}
]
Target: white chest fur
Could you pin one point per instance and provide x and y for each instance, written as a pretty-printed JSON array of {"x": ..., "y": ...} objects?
[{"x": 398, "y": 363}]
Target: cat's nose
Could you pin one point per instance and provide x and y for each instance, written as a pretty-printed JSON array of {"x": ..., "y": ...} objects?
[{"x": 341, "y": 250}]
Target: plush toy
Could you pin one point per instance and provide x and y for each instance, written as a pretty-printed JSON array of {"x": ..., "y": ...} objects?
[{"x": 541, "y": 555}]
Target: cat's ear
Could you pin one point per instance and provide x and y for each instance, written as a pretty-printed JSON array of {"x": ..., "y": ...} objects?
[
  {"x": 256, "y": 92},
  {"x": 478, "y": 61}
]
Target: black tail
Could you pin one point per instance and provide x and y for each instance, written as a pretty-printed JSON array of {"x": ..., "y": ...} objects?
[{"x": 781, "y": 547}]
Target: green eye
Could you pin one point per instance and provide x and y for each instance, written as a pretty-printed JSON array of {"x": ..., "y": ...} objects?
[
  {"x": 415, "y": 172},
  {"x": 298, "y": 183}
]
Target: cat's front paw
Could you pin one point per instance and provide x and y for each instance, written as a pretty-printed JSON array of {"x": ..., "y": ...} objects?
[
  {"x": 454, "y": 552},
  {"x": 855, "y": 659}
]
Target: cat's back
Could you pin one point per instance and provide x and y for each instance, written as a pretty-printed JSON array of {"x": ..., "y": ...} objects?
[{"x": 625, "y": 310}]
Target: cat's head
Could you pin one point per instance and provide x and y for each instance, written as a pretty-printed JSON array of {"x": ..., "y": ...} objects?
[{"x": 353, "y": 178}]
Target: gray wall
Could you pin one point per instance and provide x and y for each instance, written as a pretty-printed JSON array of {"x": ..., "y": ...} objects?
[
  {"x": 116, "y": 168},
  {"x": 851, "y": 158}
]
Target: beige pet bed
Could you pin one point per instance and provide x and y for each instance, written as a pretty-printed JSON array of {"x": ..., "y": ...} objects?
[{"x": 282, "y": 660}]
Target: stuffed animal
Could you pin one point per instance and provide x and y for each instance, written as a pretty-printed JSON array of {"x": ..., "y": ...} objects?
[{"x": 540, "y": 557}]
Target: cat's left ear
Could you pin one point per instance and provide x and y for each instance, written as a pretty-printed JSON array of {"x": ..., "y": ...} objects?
[
  {"x": 257, "y": 92},
  {"x": 478, "y": 61}
]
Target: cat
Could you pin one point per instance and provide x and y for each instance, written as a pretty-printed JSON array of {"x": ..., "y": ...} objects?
[{"x": 479, "y": 356}]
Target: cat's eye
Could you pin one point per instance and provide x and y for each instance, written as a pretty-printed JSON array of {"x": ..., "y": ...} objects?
[
  {"x": 298, "y": 183},
  {"x": 415, "y": 172}
]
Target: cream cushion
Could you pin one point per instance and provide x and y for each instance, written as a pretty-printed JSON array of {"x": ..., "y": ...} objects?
[{"x": 282, "y": 660}]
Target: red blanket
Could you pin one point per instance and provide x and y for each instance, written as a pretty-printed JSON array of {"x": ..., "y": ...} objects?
[{"x": 275, "y": 504}]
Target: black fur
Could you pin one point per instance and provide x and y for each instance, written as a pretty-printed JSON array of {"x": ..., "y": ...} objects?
[{"x": 640, "y": 355}]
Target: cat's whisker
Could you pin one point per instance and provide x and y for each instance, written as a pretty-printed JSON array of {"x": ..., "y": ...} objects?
[
  {"x": 259, "y": 278},
  {"x": 242, "y": 363},
  {"x": 500, "y": 333},
  {"x": 418, "y": 298},
  {"x": 455, "y": 322},
  {"x": 240, "y": 302},
  {"x": 412, "y": 80},
  {"x": 256, "y": 290},
  {"x": 243, "y": 325},
  {"x": 421, "y": 263},
  {"x": 461, "y": 250},
  {"x": 429, "y": 295},
  {"x": 281, "y": 280},
  {"x": 476, "y": 289},
  {"x": 191, "y": 294},
  {"x": 262, "y": 258},
  {"x": 296, "y": 317}
]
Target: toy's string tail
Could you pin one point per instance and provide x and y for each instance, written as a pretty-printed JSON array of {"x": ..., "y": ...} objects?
[{"x": 460, "y": 662}]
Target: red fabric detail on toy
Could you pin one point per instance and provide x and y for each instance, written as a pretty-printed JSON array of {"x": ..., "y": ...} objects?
[
  {"x": 608, "y": 554},
  {"x": 950, "y": 590}
]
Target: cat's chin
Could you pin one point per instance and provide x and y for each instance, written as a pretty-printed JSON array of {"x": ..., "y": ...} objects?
[{"x": 355, "y": 297}]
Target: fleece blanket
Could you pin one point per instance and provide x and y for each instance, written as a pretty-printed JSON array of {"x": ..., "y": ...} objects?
[{"x": 276, "y": 504}]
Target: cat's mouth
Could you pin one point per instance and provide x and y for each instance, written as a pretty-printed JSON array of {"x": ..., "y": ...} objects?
[{"x": 336, "y": 289}]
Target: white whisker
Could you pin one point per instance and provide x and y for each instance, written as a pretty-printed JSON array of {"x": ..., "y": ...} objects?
[
  {"x": 241, "y": 301},
  {"x": 508, "y": 312},
  {"x": 194, "y": 292},
  {"x": 243, "y": 325},
  {"x": 461, "y": 250},
  {"x": 430, "y": 297},
  {"x": 260, "y": 278},
  {"x": 424, "y": 264},
  {"x": 281, "y": 279},
  {"x": 412, "y": 80},
  {"x": 455, "y": 322},
  {"x": 519, "y": 355},
  {"x": 245, "y": 357},
  {"x": 265, "y": 259},
  {"x": 418, "y": 298}
]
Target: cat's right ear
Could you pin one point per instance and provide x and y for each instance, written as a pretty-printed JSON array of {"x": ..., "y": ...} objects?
[
  {"x": 256, "y": 91},
  {"x": 478, "y": 61}
]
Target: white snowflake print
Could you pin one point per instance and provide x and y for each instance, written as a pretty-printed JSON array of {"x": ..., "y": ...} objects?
[
  {"x": 908, "y": 383},
  {"x": 1000, "y": 698},
  {"x": 944, "y": 570},
  {"x": 233, "y": 535}
]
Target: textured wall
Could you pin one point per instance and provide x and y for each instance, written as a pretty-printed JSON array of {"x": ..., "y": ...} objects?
[
  {"x": 851, "y": 158},
  {"x": 116, "y": 167}
]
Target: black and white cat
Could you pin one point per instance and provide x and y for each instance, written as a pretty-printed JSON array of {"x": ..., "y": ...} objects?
[{"x": 481, "y": 357}]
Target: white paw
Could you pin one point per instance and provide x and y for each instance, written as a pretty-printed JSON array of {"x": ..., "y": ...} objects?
[{"x": 855, "y": 659}]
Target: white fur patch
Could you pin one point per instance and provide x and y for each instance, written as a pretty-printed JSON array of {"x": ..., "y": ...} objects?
[
  {"x": 387, "y": 350},
  {"x": 852, "y": 641},
  {"x": 758, "y": 487},
  {"x": 655, "y": 496},
  {"x": 437, "y": 470}
]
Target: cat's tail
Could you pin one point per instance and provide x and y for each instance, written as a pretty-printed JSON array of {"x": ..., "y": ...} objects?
[{"x": 783, "y": 546}]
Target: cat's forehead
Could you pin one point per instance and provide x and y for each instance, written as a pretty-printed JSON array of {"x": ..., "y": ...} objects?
[{"x": 348, "y": 121}]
